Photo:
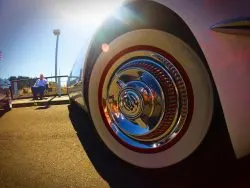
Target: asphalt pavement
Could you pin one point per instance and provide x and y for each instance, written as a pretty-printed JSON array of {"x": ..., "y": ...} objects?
[
  {"x": 57, "y": 146},
  {"x": 40, "y": 148}
]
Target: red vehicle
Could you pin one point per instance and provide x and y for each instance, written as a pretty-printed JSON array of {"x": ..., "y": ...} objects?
[{"x": 5, "y": 95}]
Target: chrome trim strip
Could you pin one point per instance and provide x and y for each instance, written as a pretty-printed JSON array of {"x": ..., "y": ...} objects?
[{"x": 238, "y": 26}]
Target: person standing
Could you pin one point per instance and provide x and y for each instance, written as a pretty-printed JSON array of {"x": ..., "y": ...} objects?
[{"x": 39, "y": 87}]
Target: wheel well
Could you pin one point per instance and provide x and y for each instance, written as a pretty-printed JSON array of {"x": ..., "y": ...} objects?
[{"x": 139, "y": 15}]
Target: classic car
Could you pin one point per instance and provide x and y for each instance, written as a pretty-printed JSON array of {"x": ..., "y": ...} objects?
[
  {"x": 5, "y": 95},
  {"x": 151, "y": 74}
]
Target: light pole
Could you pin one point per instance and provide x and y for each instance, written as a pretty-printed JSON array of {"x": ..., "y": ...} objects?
[
  {"x": 1, "y": 57},
  {"x": 56, "y": 33}
]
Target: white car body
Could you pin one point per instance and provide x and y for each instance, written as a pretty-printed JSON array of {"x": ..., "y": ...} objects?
[
  {"x": 228, "y": 57},
  {"x": 227, "y": 52}
]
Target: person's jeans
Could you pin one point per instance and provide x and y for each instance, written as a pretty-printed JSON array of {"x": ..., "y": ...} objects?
[{"x": 37, "y": 90}]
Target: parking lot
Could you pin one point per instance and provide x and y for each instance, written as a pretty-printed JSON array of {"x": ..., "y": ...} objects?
[
  {"x": 40, "y": 148},
  {"x": 54, "y": 147}
]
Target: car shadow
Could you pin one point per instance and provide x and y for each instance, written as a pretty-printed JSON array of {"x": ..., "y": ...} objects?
[{"x": 212, "y": 164}]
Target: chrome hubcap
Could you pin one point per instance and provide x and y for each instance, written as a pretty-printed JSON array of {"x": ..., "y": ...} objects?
[
  {"x": 130, "y": 103},
  {"x": 145, "y": 102}
]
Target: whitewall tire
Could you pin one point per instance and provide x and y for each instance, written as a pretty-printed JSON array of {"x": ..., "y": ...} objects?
[{"x": 150, "y": 98}]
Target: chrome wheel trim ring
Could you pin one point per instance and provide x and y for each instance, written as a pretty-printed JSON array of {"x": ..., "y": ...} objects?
[{"x": 138, "y": 132}]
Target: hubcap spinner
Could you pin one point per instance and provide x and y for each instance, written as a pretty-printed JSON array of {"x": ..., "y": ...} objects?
[{"x": 130, "y": 103}]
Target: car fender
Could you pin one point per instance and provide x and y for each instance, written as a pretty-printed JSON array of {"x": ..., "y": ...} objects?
[{"x": 228, "y": 57}]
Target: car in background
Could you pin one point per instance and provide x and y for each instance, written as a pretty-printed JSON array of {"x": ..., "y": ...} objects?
[
  {"x": 5, "y": 95},
  {"x": 152, "y": 73}
]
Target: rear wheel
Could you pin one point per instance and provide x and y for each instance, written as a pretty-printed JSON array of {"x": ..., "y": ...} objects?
[
  {"x": 150, "y": 98},
  {"x": 8, "y": 106}
]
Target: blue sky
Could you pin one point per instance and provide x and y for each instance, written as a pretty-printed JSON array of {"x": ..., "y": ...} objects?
[{"x": 26, "y": 33}]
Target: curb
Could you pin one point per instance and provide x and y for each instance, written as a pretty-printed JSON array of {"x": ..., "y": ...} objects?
[{"x": 40, "y": 103}]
